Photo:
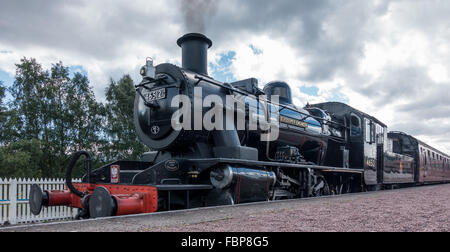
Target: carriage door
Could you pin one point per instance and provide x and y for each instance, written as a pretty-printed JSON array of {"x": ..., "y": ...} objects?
[{"x": 380, "y": 137}]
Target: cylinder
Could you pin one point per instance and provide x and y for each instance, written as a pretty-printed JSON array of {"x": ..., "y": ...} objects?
[
  {"x": 194, "y": 48},
  {"x": 246, "y": 184}
]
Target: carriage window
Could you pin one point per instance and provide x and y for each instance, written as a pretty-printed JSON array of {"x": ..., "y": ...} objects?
[{"x": 355, "y": 129}]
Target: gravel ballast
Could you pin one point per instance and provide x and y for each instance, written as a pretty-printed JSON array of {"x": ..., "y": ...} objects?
[{"x": 416, "y": 209}]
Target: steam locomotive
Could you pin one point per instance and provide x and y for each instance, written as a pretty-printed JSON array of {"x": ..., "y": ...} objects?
[{"x": 275, "y": 151}]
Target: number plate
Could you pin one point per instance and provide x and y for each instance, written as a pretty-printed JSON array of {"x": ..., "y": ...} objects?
[{"x": 155, "y": 95}]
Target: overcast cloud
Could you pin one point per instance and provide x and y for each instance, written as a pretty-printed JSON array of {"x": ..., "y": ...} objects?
[{"x": 387, "y": 58}]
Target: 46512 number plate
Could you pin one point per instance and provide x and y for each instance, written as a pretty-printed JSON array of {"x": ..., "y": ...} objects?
[{"x": 154, "y": 95}]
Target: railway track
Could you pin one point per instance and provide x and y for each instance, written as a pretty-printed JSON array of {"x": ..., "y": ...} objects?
[{"x": 419, "y": 209}]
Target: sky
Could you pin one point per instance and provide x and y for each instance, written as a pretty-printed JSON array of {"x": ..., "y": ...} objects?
[{"x": 390, "y": 59}]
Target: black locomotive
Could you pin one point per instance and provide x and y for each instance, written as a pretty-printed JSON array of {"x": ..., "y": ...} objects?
[{"x": 321, "y": 149}]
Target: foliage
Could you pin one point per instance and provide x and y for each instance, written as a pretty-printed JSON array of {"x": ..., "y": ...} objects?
[
  {"x": 4, "y": 117},
  {"x": 120, "y": 130},
  {"x": 2, "y": 95},
  {"x": 53, "y": 114},
  {"x": 21, "y": 159},
  {"x": 2, "y": 110}
]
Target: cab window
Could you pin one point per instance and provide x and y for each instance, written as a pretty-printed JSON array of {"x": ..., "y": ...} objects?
[
  {"x": 280, "y": 91},
  {"x": 355, "y": 125},
  {"x": 396, "y": 146}
]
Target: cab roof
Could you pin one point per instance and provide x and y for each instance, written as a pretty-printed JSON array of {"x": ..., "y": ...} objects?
[{"x": 339, "y": 108}]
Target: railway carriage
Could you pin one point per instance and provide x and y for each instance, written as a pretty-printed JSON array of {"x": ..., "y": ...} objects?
[{"x": 430, "y": 164}]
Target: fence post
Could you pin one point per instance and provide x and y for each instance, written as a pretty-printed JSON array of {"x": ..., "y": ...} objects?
[{"x": 13, "y": 201}]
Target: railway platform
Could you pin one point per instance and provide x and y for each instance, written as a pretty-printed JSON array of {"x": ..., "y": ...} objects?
[{"x": 424, "y": 208}]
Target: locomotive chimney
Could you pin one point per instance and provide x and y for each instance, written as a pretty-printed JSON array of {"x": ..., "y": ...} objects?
[{"x": 194, "y": 48}]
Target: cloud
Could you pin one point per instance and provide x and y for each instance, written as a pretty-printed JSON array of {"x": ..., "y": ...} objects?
[
  {"x": 108, "y": 38},
  {"x": 388, "y": 58}
]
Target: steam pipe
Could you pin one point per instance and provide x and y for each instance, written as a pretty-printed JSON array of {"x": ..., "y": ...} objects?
[{"x": 72, "y": 163}]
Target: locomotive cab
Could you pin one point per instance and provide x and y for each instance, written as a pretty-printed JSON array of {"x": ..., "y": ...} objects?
[{"x": 365, "y": 144}]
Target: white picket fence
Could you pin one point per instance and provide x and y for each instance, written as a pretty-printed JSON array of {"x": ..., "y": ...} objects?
[{"x": 14, "y": 207}]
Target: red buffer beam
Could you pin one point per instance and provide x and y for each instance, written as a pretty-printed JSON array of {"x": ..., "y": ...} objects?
[{"x": 100, "y": 200}]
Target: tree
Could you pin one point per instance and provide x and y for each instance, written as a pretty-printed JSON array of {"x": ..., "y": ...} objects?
[
  {"x": 2, "y": 111},
  {"x": 56, "y": 111},
  {"x": 30, "y": 98},
  {"x": 53, "y": 115},
  {"x": 85, "y": 120},
  {"x": 18, "y": 157},
  {"x": 88, "y": 115},
  {"x": 3, "y": 116},
  {"x": 8, "y": 120},
  {"x": 76, "y": 115},
  {"x": 21, "y": 159},
  {"x": 2, "y": 95},
  {"x": 120, "y": 130}
]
